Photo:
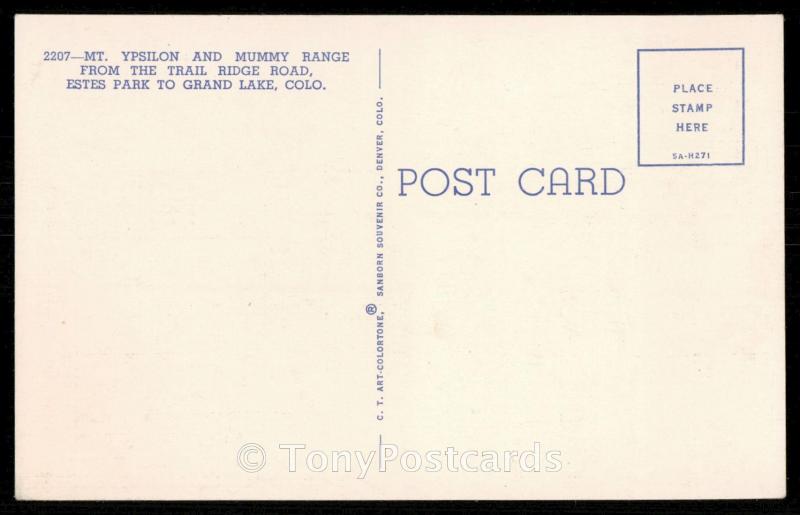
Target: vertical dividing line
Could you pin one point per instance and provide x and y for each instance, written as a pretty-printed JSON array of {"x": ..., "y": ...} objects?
[{"x": 380, "y": 85}]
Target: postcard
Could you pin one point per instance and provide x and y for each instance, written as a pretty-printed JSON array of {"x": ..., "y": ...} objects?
[{"x": 399, "y": 257}]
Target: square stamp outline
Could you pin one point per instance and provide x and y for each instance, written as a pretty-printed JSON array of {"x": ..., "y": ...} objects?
[{"x": 639, "y": 103}]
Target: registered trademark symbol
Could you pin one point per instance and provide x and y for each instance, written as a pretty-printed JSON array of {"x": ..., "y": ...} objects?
[{"x": 372, "y": 309}]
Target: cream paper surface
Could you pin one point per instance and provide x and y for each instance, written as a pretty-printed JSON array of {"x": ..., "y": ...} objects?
[{"x": 194, "y": 266}]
